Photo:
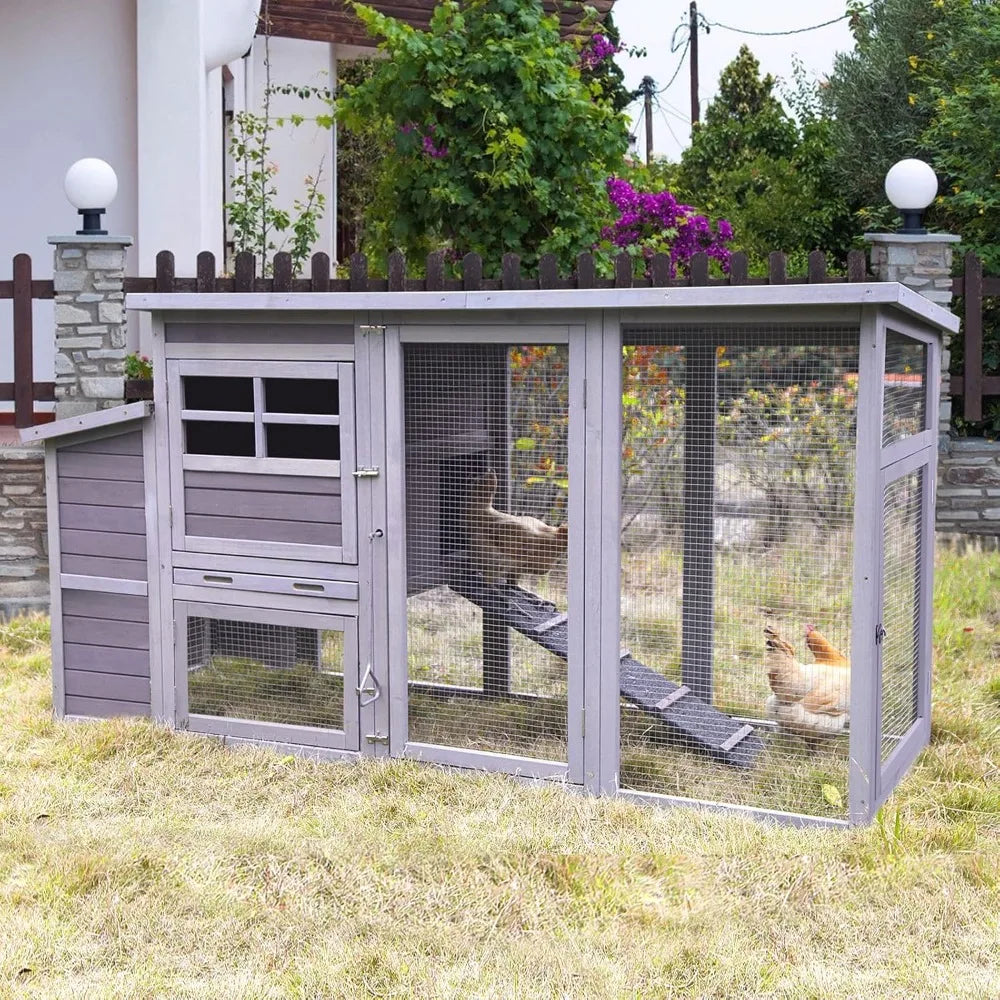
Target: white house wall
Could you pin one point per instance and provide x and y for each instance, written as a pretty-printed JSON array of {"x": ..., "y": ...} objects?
[{"x": 67, "y": 90}]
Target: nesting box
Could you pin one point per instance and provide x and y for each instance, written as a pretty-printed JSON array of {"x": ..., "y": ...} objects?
[{"x": 671, "y": 544}]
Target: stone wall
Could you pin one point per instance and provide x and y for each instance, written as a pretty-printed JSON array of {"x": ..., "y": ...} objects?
[
  {"x": 969, "y": 487},
  {"x": 24, "y": 568},
  {"x": 90, "y": 324}
]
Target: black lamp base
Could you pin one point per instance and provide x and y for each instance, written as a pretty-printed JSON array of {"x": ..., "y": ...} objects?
[
  {"x": 91, "y": 222},
  {"x": 912, "y": 222}
]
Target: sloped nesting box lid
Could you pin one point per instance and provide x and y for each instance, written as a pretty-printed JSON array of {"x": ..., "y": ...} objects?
[{"x": 87, "y": 422}]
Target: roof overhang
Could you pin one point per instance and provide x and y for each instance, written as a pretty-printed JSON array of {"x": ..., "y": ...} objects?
[{"x": 334, "y": 21}]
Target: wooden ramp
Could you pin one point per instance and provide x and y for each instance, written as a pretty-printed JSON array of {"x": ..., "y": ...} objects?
[{"x": 687, "y": 718}]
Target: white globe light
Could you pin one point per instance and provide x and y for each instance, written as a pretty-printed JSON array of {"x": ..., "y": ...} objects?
[
  {"x": 911, "y": 185},
  {"x": 91, "y": 183}
]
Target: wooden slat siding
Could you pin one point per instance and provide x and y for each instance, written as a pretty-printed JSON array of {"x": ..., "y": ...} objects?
[
  {"x": 268, "y": 506},
  {"x": 586, "y": 271},
  {"x": 548, "y": 271},
  {"x": 120, "y": 444},
  {"x": 659, "y": 270},
  {"x": 244, "y": 271},
  {"x": 24, "y": 410},
  {"x": 96, "y": 465},
  {"x": 116, "y": 544},
  {"x": 103, "y": 708},
  {"x": 739, "y": 268},
  {"x": 255, "y": 530},
  {"x": 777, "y": 268},
  {"x": 973, "y": 333},
  {"x": 435, "y": 271},
  {"x": 817, "y": 267},
  {"x": 857, "y": 266},
  {"x": 358, "y": 272},
  {"x": 42, "y": 392},
  {"x": 206, "y": 271},
  {"x": 510, "y": 271},
  {"x": 113, "y": 607},
  {"x": 94, "y": 684},
  {"x": 324, "y": 486},
  {"x": 101, "y": 492},
  {"x": 164, "y": 271},
  {"x": 94, "y": 517},
  {"x": 116, "y": 569},
  {"x": 397, "y": 271},
  {"x": 472, "y": 272},
  {"x": 623, "y": 271},
  {"x": 319, "y": 272},
  {"x": 101, "y": 632}
]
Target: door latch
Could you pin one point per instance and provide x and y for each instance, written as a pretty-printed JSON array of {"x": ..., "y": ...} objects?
[
  {"x": 366, "y": 472},
  {"x": 880, "y": 634},
  {"x": 377, "y": 738},
  {"x": 368, "y": 690}
]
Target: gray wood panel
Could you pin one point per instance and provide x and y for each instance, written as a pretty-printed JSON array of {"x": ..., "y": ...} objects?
[
  {"x": 270, "y": 506},
  {"x": 95, "y": 517},
  {"x": 120, "y": 444},
  {"x": 214, "y": 332},
  {"x": 102, "y": 492},
  {"x": 257, "y": 529},
  {"x": 85, "y": 465},
  {"x": 91, "y": 684},
  {"x": 102, "y": 632},
  {"x": 106, "y": 659},
  {"x": 115, "y": 607},
  {"x": 118, "y": 569},
  {"x": 103, "y": 708},
  {"x": 261, "y": 482},
  {"x": 102, "y": 543}
]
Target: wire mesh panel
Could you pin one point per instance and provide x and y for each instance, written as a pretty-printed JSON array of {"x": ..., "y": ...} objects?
[
  {"x": 289, "y": 678},
  {"x": 904, "y": 392},
  {"x": 900, "y": 659},
  {"x": 736, "y": 547},
  {"x": 486, "y": 439}
]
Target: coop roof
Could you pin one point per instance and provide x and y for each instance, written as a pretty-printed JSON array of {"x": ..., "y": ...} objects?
[
  {"x": 88, "y": 421},
  {"x": 333, "y": 20},
  {"x": 705, "y": 305}
]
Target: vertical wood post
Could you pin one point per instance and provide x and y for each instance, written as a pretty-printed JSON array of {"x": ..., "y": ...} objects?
[
  {"x": 24, "y": 389},
  {"x": 698, "y": 614},
  {"x": 973, "y": 363}
]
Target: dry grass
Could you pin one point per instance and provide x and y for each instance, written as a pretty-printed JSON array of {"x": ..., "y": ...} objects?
[{"x": 139, "y": 863}]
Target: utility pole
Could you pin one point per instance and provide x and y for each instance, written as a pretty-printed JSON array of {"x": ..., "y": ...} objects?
[
  {"x": 647, "y": 88},
  {"x": 693, "y": 28}
]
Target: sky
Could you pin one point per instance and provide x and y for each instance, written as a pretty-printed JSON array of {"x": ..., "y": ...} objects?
[{"x": 652, "y": 24}]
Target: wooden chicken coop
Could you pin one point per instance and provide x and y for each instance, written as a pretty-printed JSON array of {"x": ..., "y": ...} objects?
[{"x": 287, "y": 546}]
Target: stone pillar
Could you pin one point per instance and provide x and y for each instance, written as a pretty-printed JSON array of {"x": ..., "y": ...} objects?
[
  {"x": 922, "y": 263},
  {"x": 88, "y": 277},
  {"x": 24, "y": 561}
]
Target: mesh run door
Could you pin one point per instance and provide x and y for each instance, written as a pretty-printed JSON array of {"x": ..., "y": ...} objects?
[
  {"x": 267, "y": 675},
  {"x": 490, "y": 489}
]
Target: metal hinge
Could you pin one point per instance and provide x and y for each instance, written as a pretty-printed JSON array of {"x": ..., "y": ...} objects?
[
  {"x": 170, "y": 516},
  {"x": 367, "y": 472},
  {"x": 583, "y": 722},
  {"x": 369, "y": 328},
  {"x": 377, "y": 738},
  {"x": 585, "y": 394},
  {"x": 879, "y": 634}
]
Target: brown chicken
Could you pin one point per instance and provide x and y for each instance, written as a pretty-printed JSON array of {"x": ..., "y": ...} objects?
[
  {"x": 505, "y": 547},
  {"x": 810, "y": 700},
  {"x": 824, "y": 651}
]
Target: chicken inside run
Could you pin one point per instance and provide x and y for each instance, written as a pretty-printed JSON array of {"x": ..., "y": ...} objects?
[{"x": 675, "y": 547}]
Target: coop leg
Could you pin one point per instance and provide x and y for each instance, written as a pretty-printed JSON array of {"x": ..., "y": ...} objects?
[
  {"x": 496, "y": 655},
  {"x": 698, "y": 615}
]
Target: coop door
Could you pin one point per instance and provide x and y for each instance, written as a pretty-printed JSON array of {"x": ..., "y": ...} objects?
[
  {"x": 262, "y": 456},
  {"x": 278, "y": 676},
  {"x": 491, "y": 659}
]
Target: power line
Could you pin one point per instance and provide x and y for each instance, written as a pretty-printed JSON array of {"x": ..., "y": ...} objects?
[
  {"x": 680, "y": 65},
  {"x": 792, "y": 31}
]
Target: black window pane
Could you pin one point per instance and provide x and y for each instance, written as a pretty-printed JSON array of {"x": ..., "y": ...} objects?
[
  {"x": 209, "y": 392},
  {"x": 300, "y": 441},
  {"x": 301, "y": 395},
  {"x": 216, "y": 437}
]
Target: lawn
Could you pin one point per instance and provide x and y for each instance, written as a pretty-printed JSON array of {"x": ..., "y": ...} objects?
[{"x": 139, "y": 863}]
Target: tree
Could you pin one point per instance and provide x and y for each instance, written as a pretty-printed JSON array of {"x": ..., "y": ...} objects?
[
  {"x": 495, "y": 142},
  {"x": 766, "y": 172}
]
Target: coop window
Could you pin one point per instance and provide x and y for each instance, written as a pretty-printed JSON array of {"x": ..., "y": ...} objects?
[
  {"x": 216, "y": 437},
  {"x": 904, "y": 410},
  {"x": 302, "y": 441},
  {"x": 210, "y": 392},
  {"x": 301, "y": 395}
]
